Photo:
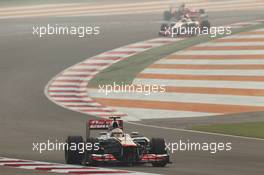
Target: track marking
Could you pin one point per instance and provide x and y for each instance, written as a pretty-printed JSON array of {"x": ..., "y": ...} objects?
[
  {"x": 196, "y": 132},
  {"x": 227, "y": 48},
  {"x": 68, "y": 88},
  {"x": 212, "y": 61},
  {"x": 99, "y": 9},
  {"x": 213, "y": 57},
  {"x": 179, "y": 106},
  {"x": 240, "y": 67},
  {"x": 107, "y": 59},
  {"x": 221, "y": 75},
  {"x": 49, "y": 167},
  {"x": 202, "y": 77},
  {"x": 207, "y": 72}
]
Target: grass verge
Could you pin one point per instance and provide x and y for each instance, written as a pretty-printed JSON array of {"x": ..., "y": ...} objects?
[
  {"x": 250, "y": 129},
  {"x": 125, "y": 71}
]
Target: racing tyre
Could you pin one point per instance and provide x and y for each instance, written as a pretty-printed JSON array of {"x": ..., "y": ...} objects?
[
  {"x": 87, "y": 154},
  {"x": 73, "y": 156},
  {"x": 205, "y": 25},
  {"x": 163, "y": 27},
  {"x": 158, "y": 147}
]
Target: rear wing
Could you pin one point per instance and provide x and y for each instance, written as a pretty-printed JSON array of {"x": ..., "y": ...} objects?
[{"x": 102, "y": 124}]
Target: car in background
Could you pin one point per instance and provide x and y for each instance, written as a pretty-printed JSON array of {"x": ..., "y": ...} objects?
[{"x": 184, "y": 19}]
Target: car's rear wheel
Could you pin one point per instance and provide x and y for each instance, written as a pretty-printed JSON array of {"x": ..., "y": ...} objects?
[
  {"x": 73, "y": 156},
  {"x": 158, "y": 147}
]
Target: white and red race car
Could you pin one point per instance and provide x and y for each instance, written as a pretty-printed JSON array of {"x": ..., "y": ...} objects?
[
  {"x": 184, "y": 22},
  {"x": 115, "y": 146}
]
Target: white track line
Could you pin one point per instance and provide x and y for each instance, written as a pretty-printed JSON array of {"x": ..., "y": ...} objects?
[
  {"x": 185, "y": 98},
  {"x": 233, "y": 44},
  {"x": 143, "y": 114},
  {"x": 65, "y": 168},
  {"x": 123, "y": 8},
  {"x": 204, "y": 72},
  {"x": 196, "y": 132},
  {"x": 202, "y": 83},
  {"x": 72, "y": 81},
  {"x": 222, "y": 52},
  {"x": 245, "y": 36},
  {"x": 110, "y": 59},
  {"x": 211, "y": 61}
]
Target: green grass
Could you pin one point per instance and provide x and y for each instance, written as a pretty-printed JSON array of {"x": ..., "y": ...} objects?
[
  {"x": 250, "y": 129},
  {"x": 125, "y": 71}
]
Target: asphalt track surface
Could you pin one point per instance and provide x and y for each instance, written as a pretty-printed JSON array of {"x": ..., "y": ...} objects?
[{"x": 27, "y": 64}]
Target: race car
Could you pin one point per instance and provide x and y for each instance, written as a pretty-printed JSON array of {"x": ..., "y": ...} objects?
[
  {"x": 184, "y": 22},
  {"x": 116, "y": 147},
  {"x": 182, "y": 27}
]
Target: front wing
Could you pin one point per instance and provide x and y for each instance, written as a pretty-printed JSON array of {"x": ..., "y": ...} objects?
[{"x": 146, "y": 158}]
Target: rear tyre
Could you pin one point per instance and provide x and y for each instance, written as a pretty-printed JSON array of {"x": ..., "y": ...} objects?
[
  {"x": 73, "y": 156},
  {"x": 158, "y": 147}
]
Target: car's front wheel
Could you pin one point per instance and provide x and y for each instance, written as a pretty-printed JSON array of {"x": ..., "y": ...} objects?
[
  {"x": 158, "y": 147},
  {"x": 87, "y": 157},
  {"x": 205, "y": 26},
  {"x": 72, "y": 154}
]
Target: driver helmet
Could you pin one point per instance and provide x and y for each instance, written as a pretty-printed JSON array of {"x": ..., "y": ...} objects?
[
  {"x": 113, "y": 125},
  {"x": 182, "y": 5},
  {"x": 184, "y": 19},
  {"x": 202, "y": 11},
  {"x": 117, "y": 133}
]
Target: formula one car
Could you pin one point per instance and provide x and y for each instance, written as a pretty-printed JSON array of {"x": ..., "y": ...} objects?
[
  {"x": 115, "y": 146},
  {"x": 184, "y": 22}
]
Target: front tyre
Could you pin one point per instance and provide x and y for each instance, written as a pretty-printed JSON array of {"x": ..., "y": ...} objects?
[
  {"x": 205, "y": 26},
  {"x": 158, "y": 147},
  {"x": 164, "y": 27},
  {"x": 87, "y": 157},
  {"x": 73, "y": 156}
]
